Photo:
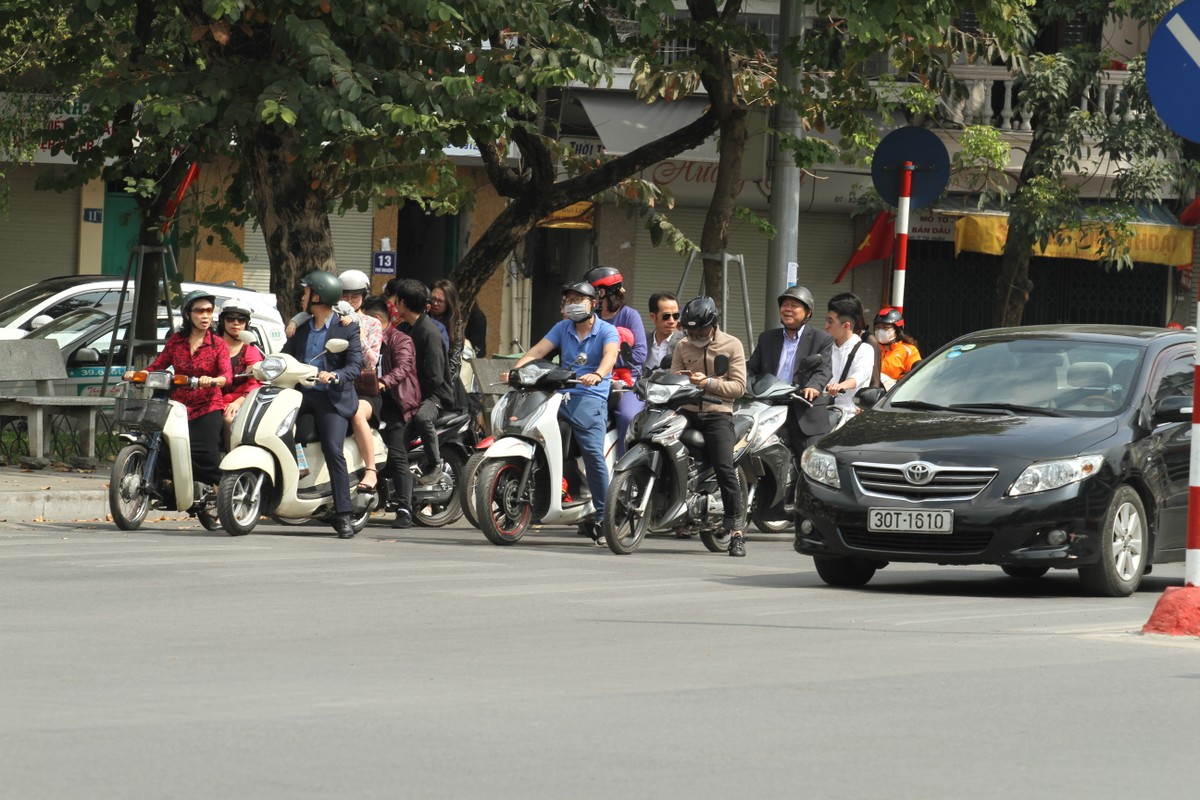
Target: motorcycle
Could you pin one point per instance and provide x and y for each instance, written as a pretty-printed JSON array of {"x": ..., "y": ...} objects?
[
  {"x": 520, "y": 476},
  {"x": 770, "y": 469},
  {"x": 470, "y": 477},
  {"x": 143, "y": 475},
  {"x": 664, "y": 482},
  {"x": 439, "y": 503},
  {"x": 275, "y": 465}
]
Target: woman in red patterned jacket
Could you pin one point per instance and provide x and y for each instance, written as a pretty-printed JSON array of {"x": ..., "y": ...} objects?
[{"x": 198, "y": 351}]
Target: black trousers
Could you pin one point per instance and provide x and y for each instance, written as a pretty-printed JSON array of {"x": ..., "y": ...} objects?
[
  {"x": 422, "y": 425},
  {"x": 332, "y": 428},
  {"x": 798, "y": 440},
  {"x": 395, "y": 438},
  {"x": 206, "y": 433},
  {"x": 717, "y": 430}
]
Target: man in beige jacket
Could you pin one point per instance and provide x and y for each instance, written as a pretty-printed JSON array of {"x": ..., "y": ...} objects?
[{"x": 696, "y": 356}]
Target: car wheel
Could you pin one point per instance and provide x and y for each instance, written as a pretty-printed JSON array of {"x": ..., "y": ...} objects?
[
  {"x": 845, "y": 572},
  {"x": 1122, "y": 548},
  {"x": 1027, "y": 573}
]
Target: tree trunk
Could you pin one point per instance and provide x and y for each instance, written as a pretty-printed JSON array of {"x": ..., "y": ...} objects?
[
  {"x": 292, "y": 215},
  {"x": 1013, "y": 285},
  {"x": 501, "y": 237},
  {"x": 715, "y": 236}
]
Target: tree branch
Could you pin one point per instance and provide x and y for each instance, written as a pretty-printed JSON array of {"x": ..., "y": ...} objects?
[{"x": 503, "y": 178}]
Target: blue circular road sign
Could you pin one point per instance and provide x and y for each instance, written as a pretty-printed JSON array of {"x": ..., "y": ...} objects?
[
  {"x": 931, "y": 165},
  {"x": 1173, "y": 69}
]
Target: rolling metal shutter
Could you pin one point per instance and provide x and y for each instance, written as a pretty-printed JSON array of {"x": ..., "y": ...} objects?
[
  {"x": 826, "y": 242},
  {"x": 353, "y": 246},
  {"x": 39, "y": 237}
]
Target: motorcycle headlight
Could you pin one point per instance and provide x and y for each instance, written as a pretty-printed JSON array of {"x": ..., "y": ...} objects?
[
  {"x": 657, "y": 393},
  {"x": 158, "y": 380},
  {"x": 1047, "y": 475},
  {"x": 270, "y": 368},
  {"x": 669, "y": 433},
  {"x": 821, "y": 466}
]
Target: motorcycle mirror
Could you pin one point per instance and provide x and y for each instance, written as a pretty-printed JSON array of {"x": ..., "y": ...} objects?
[
  {"x": 627, "y": 352},
  {"x": 720, "y": 365},
  {"x": 246, "y": 337},
  {"x": 869, "y": 396},
  {"x": 337, "y": 345},
  {"x": 811, "y": 361},
  {"x": 581, "y": 359}
]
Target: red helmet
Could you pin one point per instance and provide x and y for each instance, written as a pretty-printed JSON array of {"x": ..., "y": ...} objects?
[
  {"x": 603, "y": 276},
  {"x": 889, "y": 316}
]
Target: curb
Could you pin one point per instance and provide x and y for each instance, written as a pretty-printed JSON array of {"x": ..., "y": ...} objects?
[
  {"x": 1177, "y": 612},
  {"x": 83, "y": 505}
]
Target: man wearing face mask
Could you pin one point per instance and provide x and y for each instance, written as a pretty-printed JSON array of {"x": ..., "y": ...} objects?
[
  {"x": 695, "y": 356},
  {"x": 589, "y": 346},
  {"x": 782, "y": 352}
]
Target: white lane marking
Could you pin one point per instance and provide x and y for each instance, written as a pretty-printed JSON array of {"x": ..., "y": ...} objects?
[{"x": 1183, "y": 34}]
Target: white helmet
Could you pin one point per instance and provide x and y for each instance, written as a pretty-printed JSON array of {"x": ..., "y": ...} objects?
[
  {"x": 235, "y": 307},
  {"x": 355, "y": 280}
]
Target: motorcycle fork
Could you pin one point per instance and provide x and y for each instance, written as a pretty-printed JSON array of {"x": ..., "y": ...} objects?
[{"x": 523, "y": 486}]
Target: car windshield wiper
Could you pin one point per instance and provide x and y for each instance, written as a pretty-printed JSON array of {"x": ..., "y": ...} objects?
[
  {"x": 919, "y": 404},
  {"x": 1007, "y": 408}
]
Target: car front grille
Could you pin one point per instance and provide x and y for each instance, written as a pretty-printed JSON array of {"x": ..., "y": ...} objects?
[
  {"x": 941, "y": 483},
  {"x": 950, "y": 544}
]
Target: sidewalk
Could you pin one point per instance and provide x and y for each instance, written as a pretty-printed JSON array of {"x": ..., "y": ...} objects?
[{"x": 54, "y": 494}]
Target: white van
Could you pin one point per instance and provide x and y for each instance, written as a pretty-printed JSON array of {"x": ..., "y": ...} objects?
[{"x": 54, "y": 297}]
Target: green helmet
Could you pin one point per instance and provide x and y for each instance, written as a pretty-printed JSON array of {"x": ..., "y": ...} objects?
[
  {"x": 194, "y": 295},
  {"x": 326, "y": 288}
]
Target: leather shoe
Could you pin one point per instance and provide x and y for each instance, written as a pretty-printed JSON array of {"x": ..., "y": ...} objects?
[
  {"x": 737, "y": 545},
  {"x": 403, "y": 518},
  {"x": 341, "y": 524},
  {"x": 429, "y": 476}
]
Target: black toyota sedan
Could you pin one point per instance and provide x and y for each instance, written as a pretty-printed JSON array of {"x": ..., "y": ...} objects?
[{"x": 1035, "y": 448}]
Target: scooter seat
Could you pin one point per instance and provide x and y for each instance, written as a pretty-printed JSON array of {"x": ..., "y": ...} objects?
[
  {"x": 450, "y": 419},
  {"x": 306, "y": 429}
]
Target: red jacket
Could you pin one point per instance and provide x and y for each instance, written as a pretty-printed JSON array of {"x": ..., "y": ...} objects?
[
  {"x": 211, "y": 358},
  {"x": 398, "y": 371}
]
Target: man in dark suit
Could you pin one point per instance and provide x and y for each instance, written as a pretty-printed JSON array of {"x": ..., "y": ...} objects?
[
  {"x": 782, "y": 352},
  {"x": 332, "y": 400}
]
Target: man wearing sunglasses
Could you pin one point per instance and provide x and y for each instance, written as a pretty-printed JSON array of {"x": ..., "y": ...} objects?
[{"x": 664, "y": 316}]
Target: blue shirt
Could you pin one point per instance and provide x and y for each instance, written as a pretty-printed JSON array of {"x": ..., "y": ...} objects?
[
  {"x": 787, "y": 355},
  {"x": 569, "y": 346},
  {"x": 315, "y": 346}
]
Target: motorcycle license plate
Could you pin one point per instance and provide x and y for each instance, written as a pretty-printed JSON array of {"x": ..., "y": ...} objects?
[{"x": 903, "y": 520}]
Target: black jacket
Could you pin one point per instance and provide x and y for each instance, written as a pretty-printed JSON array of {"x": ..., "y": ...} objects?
[
  {"x": 433, "y": 371},
  {"x": 765, "y": 360}
]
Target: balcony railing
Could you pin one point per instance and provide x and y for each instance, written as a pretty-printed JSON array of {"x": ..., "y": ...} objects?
[{"x": 993, "y": 98}]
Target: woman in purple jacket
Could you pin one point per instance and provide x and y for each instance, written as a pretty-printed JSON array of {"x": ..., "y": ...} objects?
[{"x": 609, "y": 285}]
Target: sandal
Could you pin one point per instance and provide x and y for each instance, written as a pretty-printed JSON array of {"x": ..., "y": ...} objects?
[{"x": 368, "y": 488}]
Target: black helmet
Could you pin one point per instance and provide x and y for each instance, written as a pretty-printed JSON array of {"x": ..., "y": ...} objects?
[
  {"x": 582, "y": 287},
  {"x": 326, "y": 288},
  {"x": 700, "y": 312},
  {"x": 799, "y": 293},
  {"x": 889, "y": 316},
  {"x": 604, "y": 276}
]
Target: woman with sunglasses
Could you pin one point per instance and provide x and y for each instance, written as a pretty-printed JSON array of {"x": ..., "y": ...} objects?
[
  {"x": 196, "y": 350},
  {"x": 242, "y": 357}
]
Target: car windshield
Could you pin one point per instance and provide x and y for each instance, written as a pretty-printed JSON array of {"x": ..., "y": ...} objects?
[
  {"x": 1025, "y": 375},
  {"x": 19, "y": 302},
  {"x": 70, "y": 326}
]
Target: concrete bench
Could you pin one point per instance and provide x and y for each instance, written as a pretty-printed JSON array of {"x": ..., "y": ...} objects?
[{"x": 39, "y": 361}]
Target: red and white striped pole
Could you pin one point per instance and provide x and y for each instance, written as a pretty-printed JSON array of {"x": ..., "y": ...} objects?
[
  {"x": 1177, "y": 612},
  {"x": 900, "y": 264}
]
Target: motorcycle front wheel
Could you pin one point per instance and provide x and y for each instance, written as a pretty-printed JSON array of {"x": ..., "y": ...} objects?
[
  {"x": 437, "y": 515},
  {"x": 240, "y": 501},
  {"x": 624, "y": 526},
  {"x": 466, "y": 489},
  {"x": 128, "y": 500},
  {"x": 503, "y": 516}
]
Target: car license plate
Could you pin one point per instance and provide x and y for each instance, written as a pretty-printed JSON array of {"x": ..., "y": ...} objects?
[{"x": 902, "y": 520}]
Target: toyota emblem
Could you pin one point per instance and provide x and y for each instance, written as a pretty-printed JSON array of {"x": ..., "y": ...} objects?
[{"x": 918, "y": 473}]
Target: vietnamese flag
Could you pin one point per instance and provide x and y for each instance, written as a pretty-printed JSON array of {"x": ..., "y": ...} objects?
[{"x": 877, "y": 244}]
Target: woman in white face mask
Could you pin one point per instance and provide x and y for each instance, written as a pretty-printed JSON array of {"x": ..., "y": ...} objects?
[{"x": 900, "y": 350}]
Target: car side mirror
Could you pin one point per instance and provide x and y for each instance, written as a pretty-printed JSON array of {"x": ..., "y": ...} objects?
[
  {"x": 1175, "y": 408},
  {"x": 85, "y": 355},
  {"x": 869, "y": 396},
  {"x": 337, "y": 345},
  {"x": 720, "y": 365},
  {"x": 39, "y": 321}
]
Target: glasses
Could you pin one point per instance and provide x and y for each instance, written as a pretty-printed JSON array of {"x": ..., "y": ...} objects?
[
  {"x": 236, "y": 318},
  {"x": 205, "y": 310},
  {"x": 437, "y": 301},
  {"x": 664, "y": 316}
]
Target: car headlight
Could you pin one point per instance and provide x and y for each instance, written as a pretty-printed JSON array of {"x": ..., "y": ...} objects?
[
  {"x": 821, "y": 466},
  {"x": 1047, "y": 475},
  {"x": 270, "y": 368}
]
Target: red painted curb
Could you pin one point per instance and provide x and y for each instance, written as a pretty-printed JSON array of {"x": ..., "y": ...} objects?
[{"x": 1177, "y": 612}]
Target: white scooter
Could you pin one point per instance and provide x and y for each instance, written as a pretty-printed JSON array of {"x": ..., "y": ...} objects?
[
  {"x": 520, "y": 478},
  {"x": 143, "y": 475},
  {"x": 272, "y": 446}
]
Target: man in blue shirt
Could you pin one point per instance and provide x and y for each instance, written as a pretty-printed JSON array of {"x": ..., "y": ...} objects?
[{"x": 589, "y": 346}]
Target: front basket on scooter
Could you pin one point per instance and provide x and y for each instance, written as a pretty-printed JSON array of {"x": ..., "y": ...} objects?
[{"x": 143, "y": 414}]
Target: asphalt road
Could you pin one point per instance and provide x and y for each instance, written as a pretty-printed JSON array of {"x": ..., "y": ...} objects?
[{"x": 431, "y": 664}]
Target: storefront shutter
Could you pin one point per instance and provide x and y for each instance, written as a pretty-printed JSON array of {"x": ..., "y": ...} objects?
[
  {"x": 353, "y": 246},
  {"x": 39, "y": 236}
]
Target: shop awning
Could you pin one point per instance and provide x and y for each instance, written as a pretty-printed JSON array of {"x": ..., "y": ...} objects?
[
  {"x": 1158, "y": 236},
  {"x": 624, "y": 123}
]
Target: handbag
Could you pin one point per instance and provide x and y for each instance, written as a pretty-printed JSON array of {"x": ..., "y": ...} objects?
[{"x": 367, "y": 383}]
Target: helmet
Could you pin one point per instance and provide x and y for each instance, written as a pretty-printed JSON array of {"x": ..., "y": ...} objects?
[
  {"x": 355, "y": 280},
  {"x": 799, "y": 293},
  {"x": 603, "y": 276},
  {"x": 582, "y": 287},
  {"x": 700, "y": 312},
  {"x": 194, "y": 295},
  {"x": 889, "y": 316},
  {"x": 326, "y": 288},
  {"x": 234, "y": 307}
]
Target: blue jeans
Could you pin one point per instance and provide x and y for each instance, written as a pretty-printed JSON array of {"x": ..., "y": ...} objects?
[
  {"x": 628, "y": 407},
  {"x": 588, "y": 417}
]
